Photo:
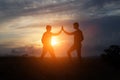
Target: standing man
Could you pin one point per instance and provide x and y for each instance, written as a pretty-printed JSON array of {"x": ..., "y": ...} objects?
[
  {"x": 78, "y": 38},
  {"x": 46, "y": 40}
]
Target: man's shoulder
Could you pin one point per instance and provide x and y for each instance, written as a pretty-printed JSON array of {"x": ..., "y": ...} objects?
[
  {"x": 80, "y": 31},
  {"x": 47, "y": 32}
]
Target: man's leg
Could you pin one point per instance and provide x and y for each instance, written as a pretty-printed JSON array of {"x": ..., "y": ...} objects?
[
  {"x": 72, "y": 48},
  {"x": 79, "y": 51},
  {"x": 44, "y": 51},
  {"x": 51, "y": 51}
]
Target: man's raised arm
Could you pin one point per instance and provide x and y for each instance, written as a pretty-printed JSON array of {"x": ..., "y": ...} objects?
[
  {"x": 68, "y": 33},
  {"x": 56, "y": 34}
]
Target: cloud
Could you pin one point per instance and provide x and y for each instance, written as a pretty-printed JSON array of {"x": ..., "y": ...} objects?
[
  {"x": 100, "y": 3},
  {"x": 16, "y": 16},
  {"x": 12, "y": 8},
  {"x": 23, "y": 6}
]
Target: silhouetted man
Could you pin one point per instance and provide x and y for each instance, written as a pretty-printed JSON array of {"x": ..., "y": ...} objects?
[
  {"x": 46, "y": 40},
  {"x": 78, "y": 38}
]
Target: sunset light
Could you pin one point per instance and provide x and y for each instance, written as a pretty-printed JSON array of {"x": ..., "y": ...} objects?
[
  {"x": 59, "y": 39},
  {"x": 54, "y": 41}
]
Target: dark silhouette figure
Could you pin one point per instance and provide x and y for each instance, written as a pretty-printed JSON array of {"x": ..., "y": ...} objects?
[
  {"x": 78, "y": 38},
  {"x": 46, "y": 40},
  {"x": 112, "y": 55},
  {"x": 113, "y": 51}
]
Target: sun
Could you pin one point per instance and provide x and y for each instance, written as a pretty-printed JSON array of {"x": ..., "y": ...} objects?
[{"x": 54, "y": 41}]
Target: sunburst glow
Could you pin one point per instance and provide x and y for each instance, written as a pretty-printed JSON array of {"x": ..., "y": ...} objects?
[{"x": 54, "y": 41}]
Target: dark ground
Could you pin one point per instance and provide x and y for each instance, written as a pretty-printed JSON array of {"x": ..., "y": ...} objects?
[{"x": 30, "y": 68}]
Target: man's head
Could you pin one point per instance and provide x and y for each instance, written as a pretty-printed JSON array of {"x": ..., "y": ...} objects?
[
  {"x": 76, "y": 25},
  {"x": 48, "y": 27}
]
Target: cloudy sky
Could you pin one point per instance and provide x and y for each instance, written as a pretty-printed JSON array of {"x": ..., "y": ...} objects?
[{"x": 22, "y": 22}]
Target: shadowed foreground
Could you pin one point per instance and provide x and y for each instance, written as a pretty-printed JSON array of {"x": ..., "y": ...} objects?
[{"x": 28, "y": 68}]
